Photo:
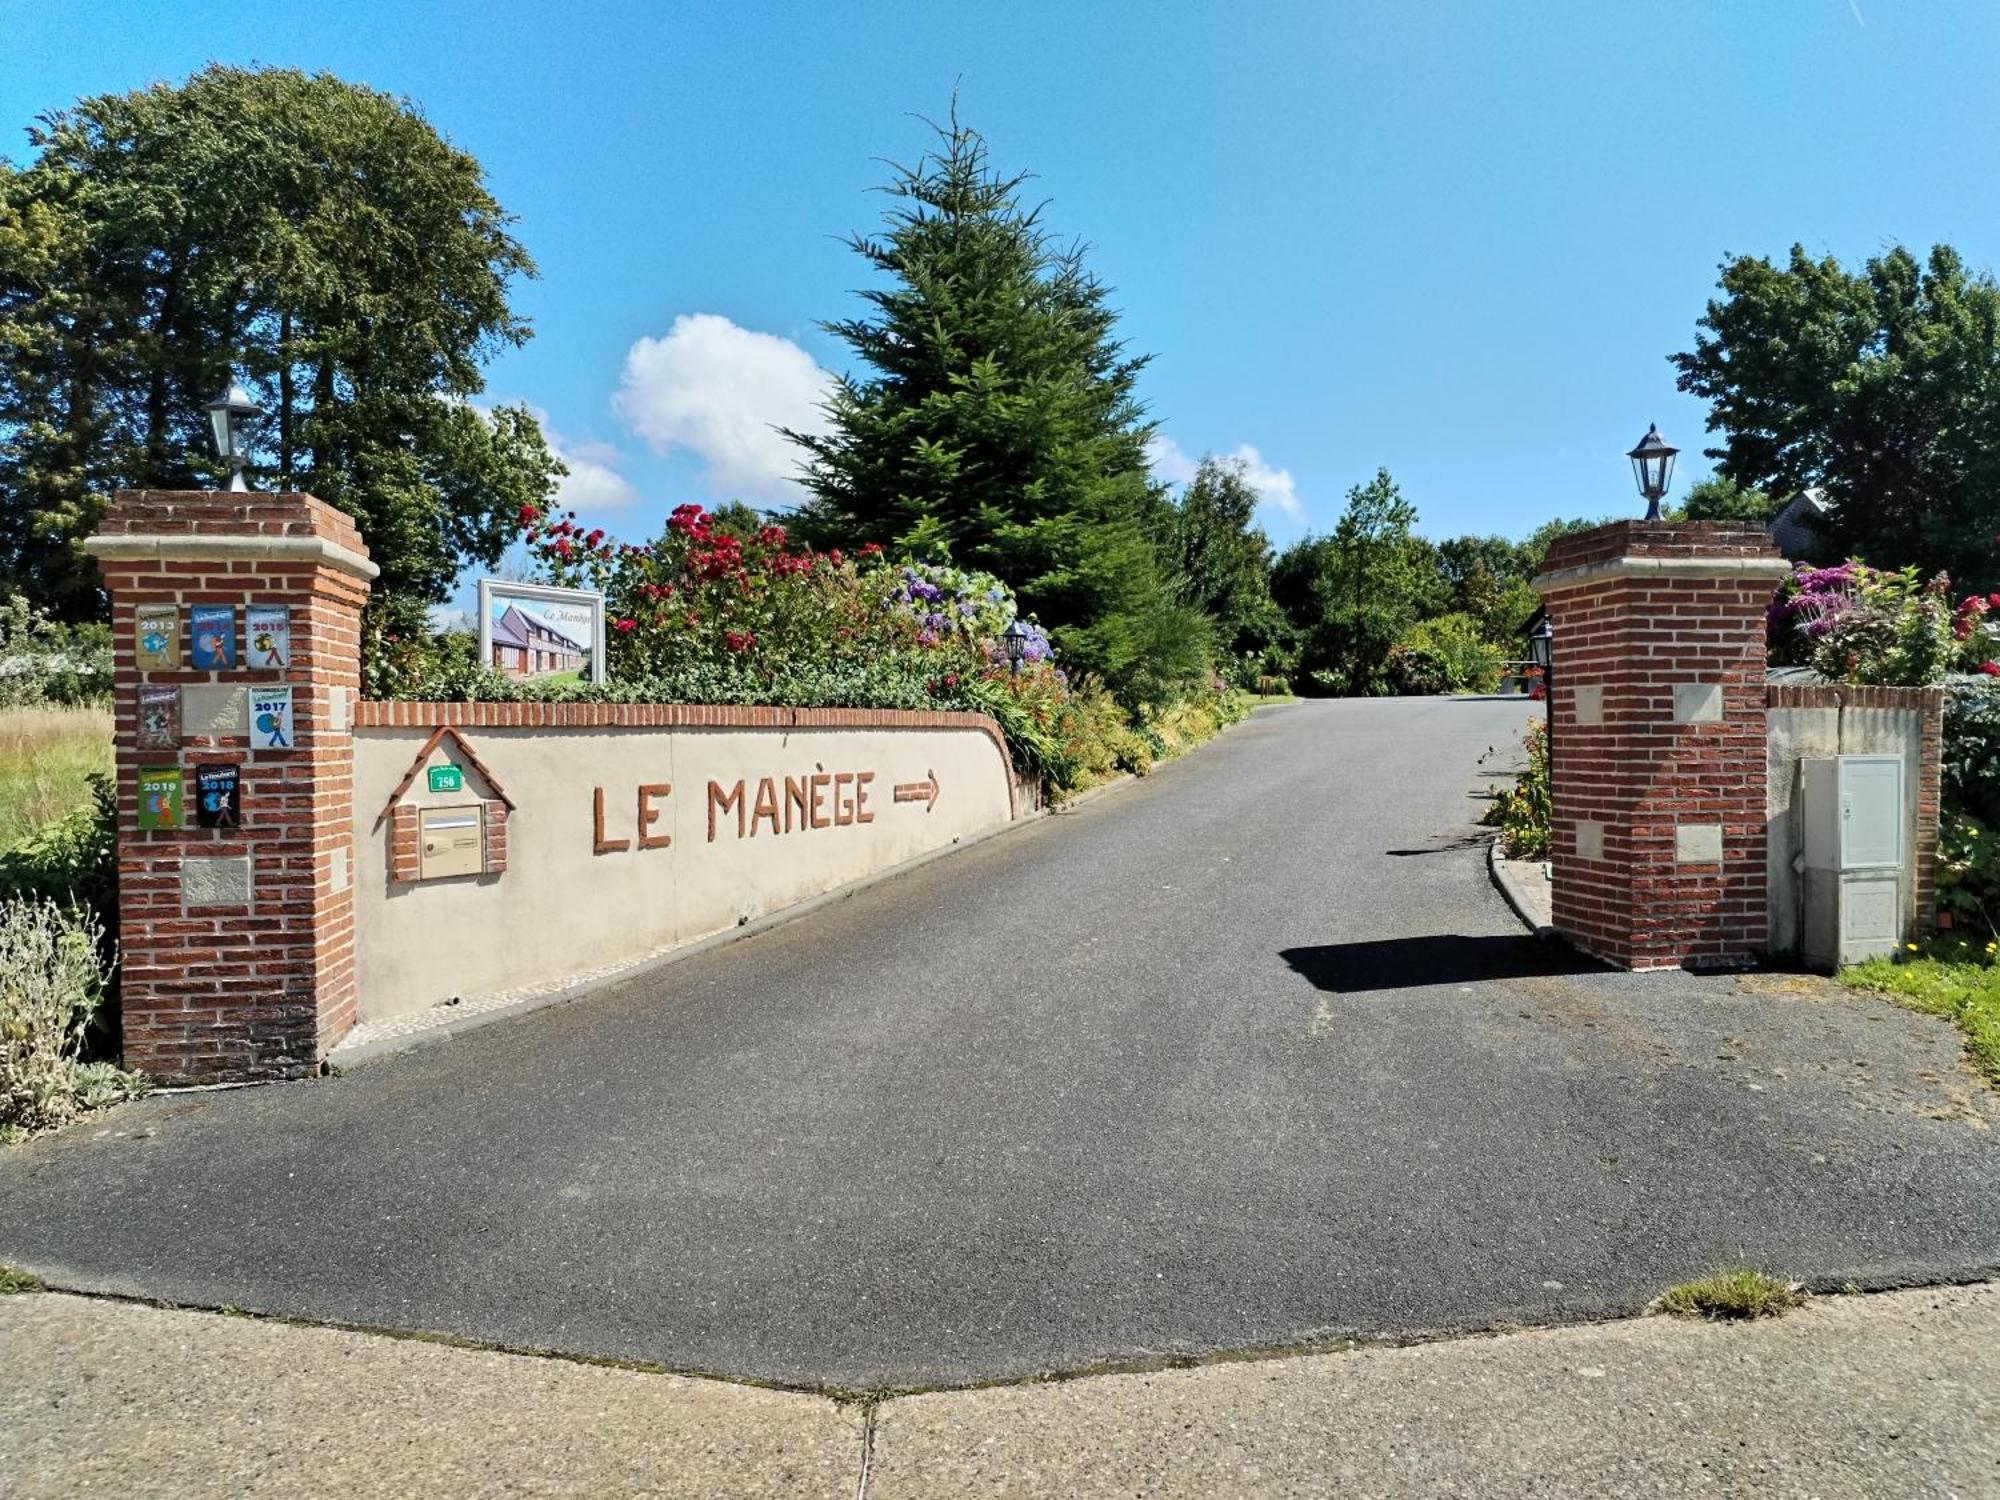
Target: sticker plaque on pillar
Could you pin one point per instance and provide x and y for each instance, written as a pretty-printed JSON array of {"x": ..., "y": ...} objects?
[
  {"x": 156, "y": 637},
  {"x": 212, "y": 637}
]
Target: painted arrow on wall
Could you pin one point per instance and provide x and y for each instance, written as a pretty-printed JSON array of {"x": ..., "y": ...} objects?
[{"x": 925, "y": 792}]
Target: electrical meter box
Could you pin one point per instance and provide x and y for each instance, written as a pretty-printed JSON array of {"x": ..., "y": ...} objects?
[
  {"x": 1853, "y": 811},
  {"x": 451, "y": 841}
]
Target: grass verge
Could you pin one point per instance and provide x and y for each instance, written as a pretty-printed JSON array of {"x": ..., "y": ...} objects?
[
  {"x": 1955, "y": 980},
  {"x": 46, "y": 758},
  {"x": 1737, "y": 1292},
  {"x": 13, "y": 1283}
]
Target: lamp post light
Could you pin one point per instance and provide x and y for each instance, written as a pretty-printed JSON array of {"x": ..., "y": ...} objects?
[
  {"x": 1653, "y": 467},
  {"x": 1542, "y": 652},
  {"x": 1016, "y": 637},
  {"x": 1542, "y": 645},
  {"x": 229, "y": 415}
]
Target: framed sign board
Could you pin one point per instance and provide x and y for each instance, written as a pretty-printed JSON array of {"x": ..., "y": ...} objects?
[{"x": 533, "y": 630}]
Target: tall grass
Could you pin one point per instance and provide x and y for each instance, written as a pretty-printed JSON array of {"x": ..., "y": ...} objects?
[{"x": 46, "y": 757}]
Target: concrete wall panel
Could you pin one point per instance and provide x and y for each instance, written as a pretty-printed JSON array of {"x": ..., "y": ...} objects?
[{"x": 756, "y": 819}]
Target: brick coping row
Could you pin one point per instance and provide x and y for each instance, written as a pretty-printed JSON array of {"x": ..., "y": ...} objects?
[{"x": 396, "y": 713}]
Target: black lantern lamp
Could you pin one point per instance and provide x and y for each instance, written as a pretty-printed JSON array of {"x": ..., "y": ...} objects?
[
  {"x": 1542, "y": 644},
  {"x": 1653, "y": 467},
  {"x": 230, "y": 415},
  {"x": 1016, "y": 636}
]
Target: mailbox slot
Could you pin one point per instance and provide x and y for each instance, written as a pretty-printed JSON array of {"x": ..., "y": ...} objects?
[{"x": 451, "y": 841}]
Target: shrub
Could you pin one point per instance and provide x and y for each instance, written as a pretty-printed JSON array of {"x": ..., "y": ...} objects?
[
  {"x": 1521, "y": 812},
  {"x": 73, "y": 862},
  {"x": 52, "y": 978},
  {"x": 1971, "y": 769},
  {"x": 1854, "y": 623},
  {"x": 1466, "y": 661},
  {"x": 1969, "y": 828},
  {"x": 45, "y": 662},
  {"x": 1418, "y": 671},
  {"x": 1968, "y": 874}
]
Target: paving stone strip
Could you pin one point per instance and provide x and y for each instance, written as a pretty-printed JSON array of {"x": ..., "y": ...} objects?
[{"x": 1890, "y": 1394}]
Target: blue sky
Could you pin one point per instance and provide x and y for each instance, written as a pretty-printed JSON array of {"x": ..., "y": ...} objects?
[{"x": 1454, "y": 240}]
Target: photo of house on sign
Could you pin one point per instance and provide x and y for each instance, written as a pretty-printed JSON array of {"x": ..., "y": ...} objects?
[{"x": 528, "y": 630}]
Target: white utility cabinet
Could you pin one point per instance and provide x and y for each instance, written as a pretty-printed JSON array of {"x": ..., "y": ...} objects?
[{"x": 1854, "y": 812}]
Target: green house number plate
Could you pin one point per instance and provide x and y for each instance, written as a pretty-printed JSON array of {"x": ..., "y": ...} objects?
[{"x": 447, "y": 779}]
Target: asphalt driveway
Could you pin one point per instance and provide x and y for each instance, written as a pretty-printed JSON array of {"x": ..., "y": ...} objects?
[{"x": 1245, "y": 1055}]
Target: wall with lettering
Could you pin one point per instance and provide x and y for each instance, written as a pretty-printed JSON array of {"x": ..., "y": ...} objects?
[{"x": 605, "y": 842}]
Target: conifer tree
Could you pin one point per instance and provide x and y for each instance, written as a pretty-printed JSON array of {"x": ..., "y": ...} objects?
[{"x": 995, "y": 420}]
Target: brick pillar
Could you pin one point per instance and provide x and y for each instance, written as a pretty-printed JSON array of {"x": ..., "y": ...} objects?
[
  {"x": 1659, "y": 760},
  {"x": 237, "y": 943}
]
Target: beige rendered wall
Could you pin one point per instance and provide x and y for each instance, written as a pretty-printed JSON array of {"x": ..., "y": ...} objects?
[{"x": 565, "y": 905}]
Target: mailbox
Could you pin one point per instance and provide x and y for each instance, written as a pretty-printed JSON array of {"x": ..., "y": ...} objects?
[
  {"x": 451, "y": 841},
  {"x": 1854, "y": 811}
]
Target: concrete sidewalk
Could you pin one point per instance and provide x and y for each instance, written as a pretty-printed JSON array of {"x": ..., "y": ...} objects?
[{"x": 1890, "y": 1395}]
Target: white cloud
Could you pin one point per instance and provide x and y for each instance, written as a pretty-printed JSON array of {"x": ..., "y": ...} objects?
[
  {"x": 1170, "y": 465},
  {"x": 593, "y": 481},
  {"x": 1275, "y": 487},
  {"x": 722, "y": 392}
]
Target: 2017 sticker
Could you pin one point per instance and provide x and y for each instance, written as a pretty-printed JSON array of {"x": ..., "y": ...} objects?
[{"x": 271, "y": 717}]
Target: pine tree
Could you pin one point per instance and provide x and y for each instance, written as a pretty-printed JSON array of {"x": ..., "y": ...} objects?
[{"x": 996, "y": 421}]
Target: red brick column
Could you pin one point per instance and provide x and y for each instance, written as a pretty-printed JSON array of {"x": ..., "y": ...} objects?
[
  {"x": 1659, "y": 758},
  {"x": 237, "y": 944}
]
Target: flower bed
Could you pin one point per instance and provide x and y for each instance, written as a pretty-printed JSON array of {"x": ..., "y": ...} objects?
[{"x": 715, "y": 614}]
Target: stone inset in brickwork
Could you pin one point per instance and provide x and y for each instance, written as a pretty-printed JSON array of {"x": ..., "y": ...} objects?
[
  {"x": 220, "y": 880},
  {"x": 1589, "y": 839},
  {"x": 214, "y": 711},
  {"x": 1697, "y": 703},
  {"x": 1589, "y": 703},
  {"x": 1698, "y": 844}
]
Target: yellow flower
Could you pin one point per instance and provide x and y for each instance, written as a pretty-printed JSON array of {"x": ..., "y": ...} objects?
[{"x": 1911, "y": 946}]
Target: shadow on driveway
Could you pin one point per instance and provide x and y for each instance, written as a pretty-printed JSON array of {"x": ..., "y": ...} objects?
[{"x": 1416, "y": 962}]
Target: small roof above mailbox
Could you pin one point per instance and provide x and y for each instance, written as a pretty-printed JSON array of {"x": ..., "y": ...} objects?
[{"x": 448, "y": 776}]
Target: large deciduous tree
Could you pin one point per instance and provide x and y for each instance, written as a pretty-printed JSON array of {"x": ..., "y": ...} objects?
[
  {"x": 1880, "y": 386},
  {"x": 1223, "y": 561},
  {"x": 995, "y": 418},
  {"x": 320, "y": 237},
  {"x": 1353, "y": 594}
]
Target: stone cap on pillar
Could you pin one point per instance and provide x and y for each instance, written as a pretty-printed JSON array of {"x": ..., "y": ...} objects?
[
  {"x": 208, "y": 525},
  {"x": 1661, "y": 549}
]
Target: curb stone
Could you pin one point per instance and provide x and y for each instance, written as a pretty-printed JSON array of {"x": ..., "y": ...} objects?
[{"x": 1524, "y": 905}]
